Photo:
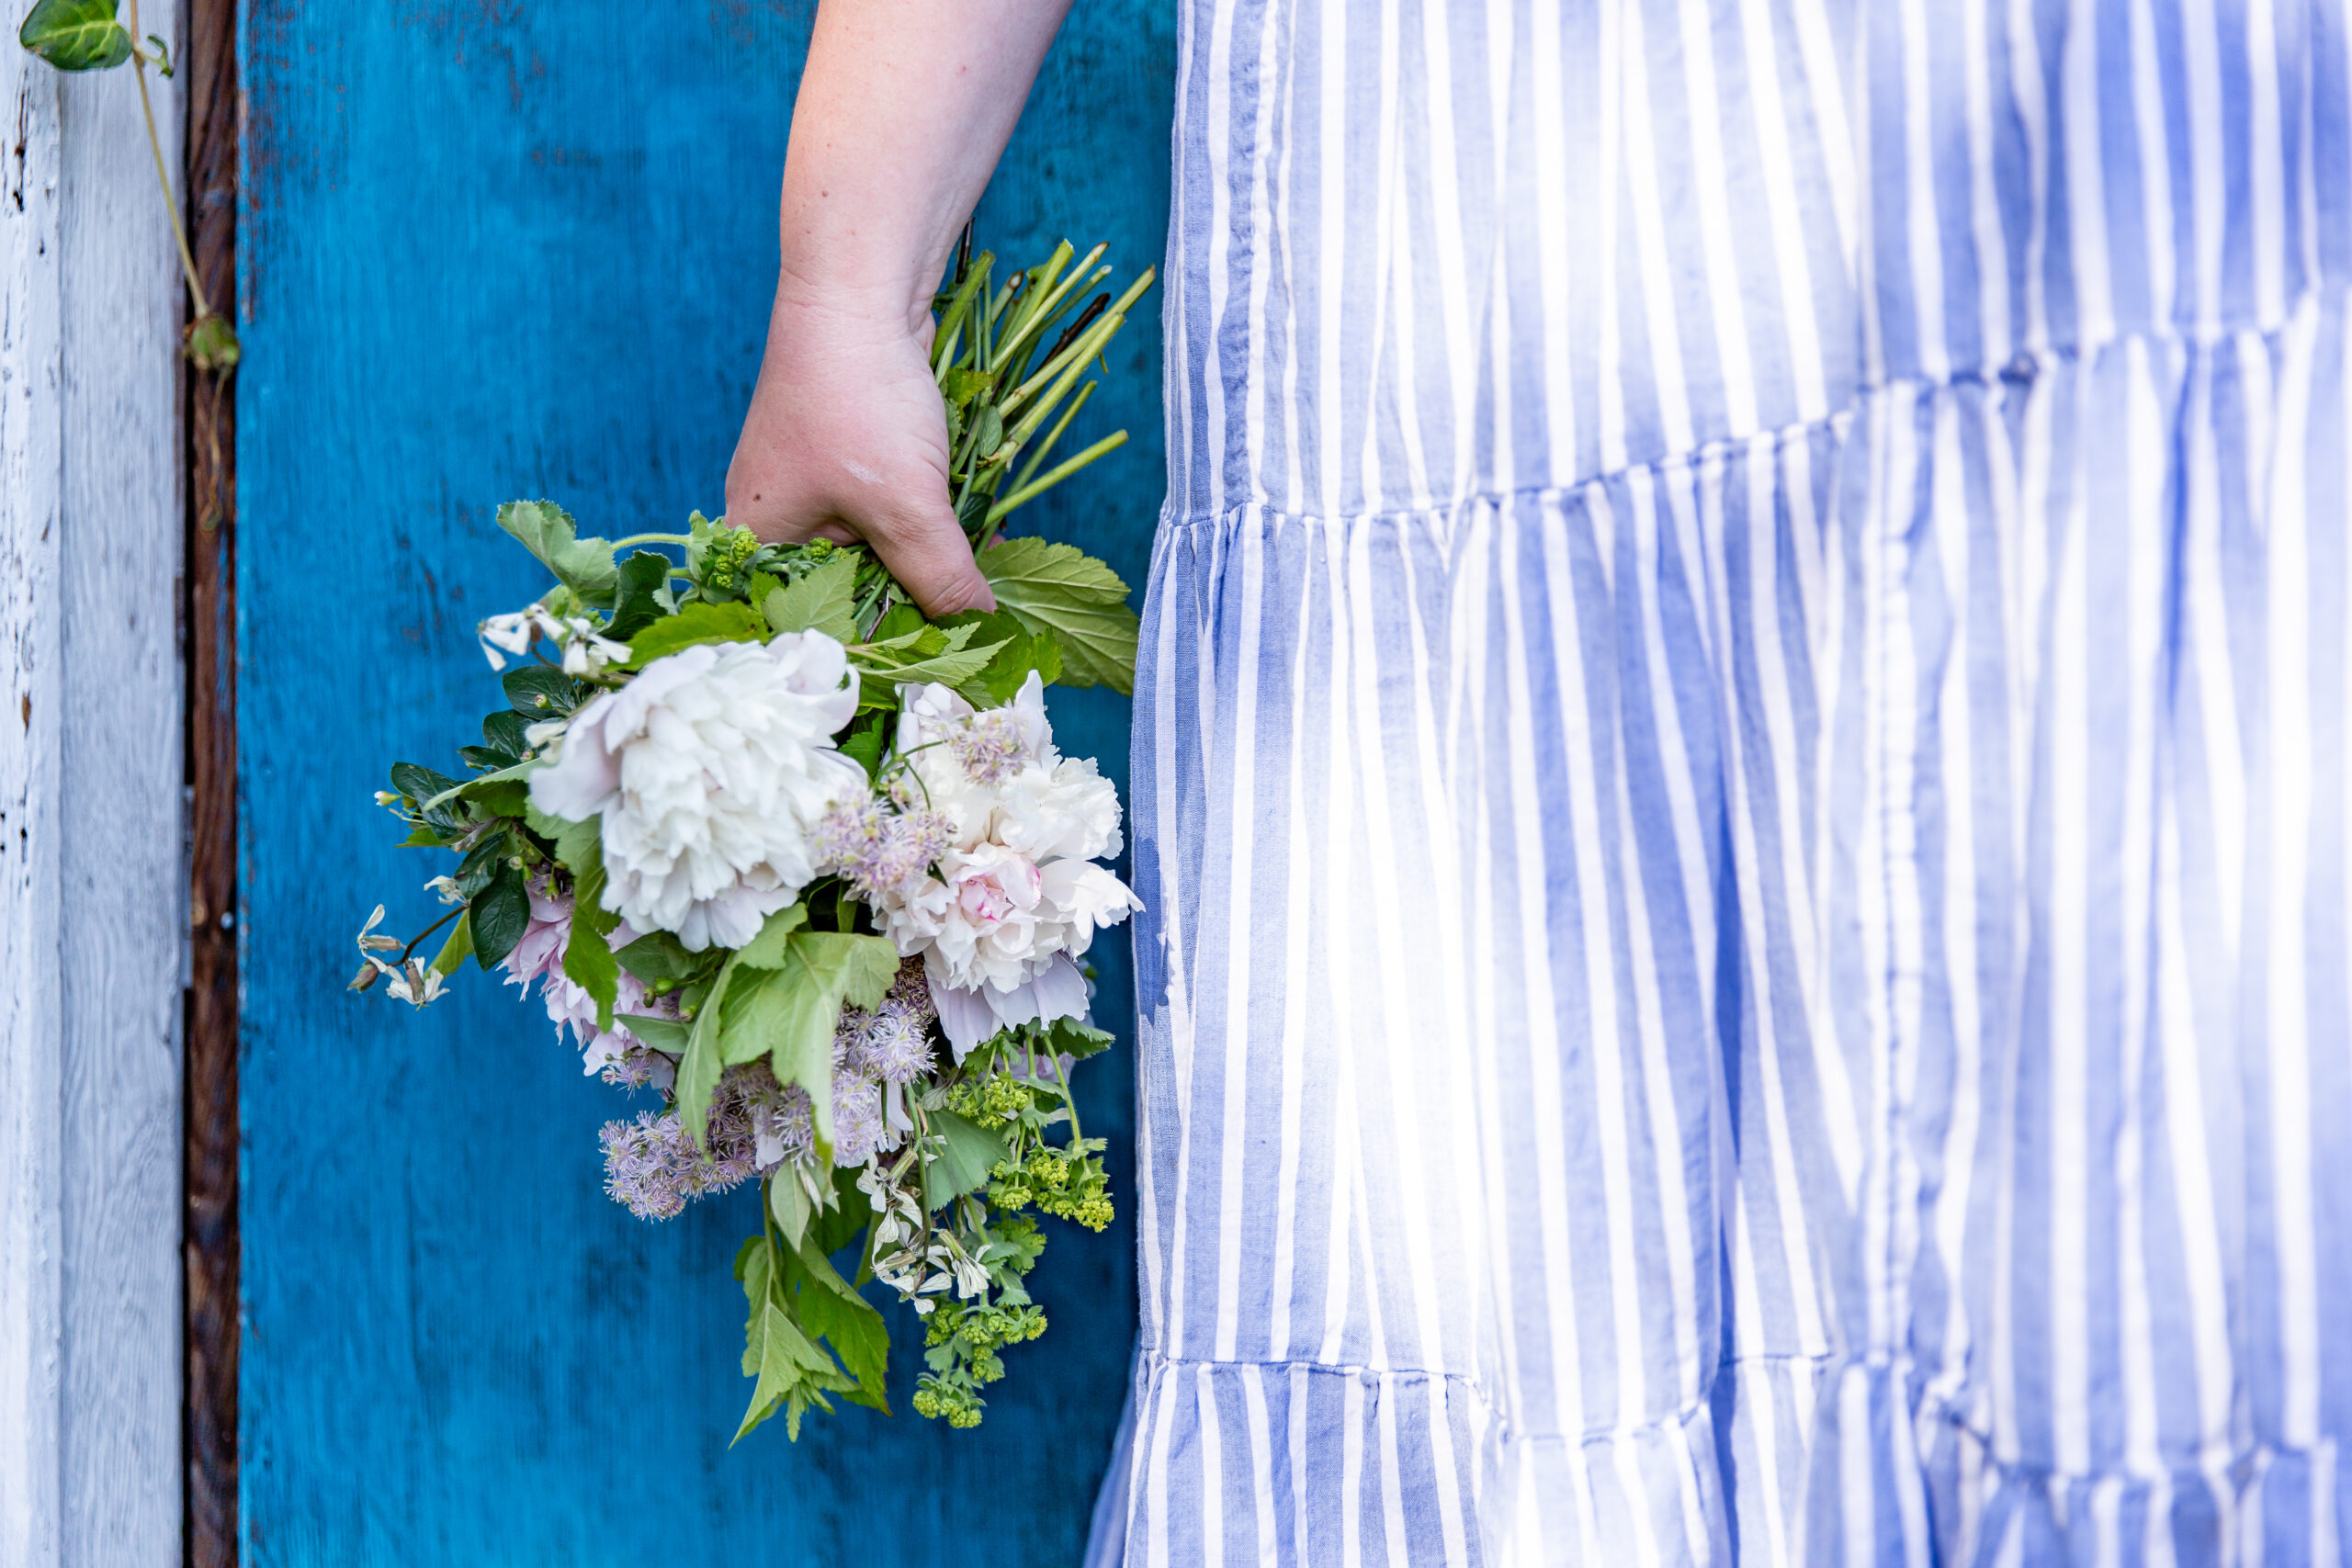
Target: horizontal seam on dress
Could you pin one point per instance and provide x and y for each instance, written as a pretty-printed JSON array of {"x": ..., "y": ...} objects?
[{"x": 1723, "y": 446}]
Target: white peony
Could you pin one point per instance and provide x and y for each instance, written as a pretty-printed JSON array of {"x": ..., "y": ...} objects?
[
  {"x": 709, "y": 770},
  {"x": 1017, "y": 899}
]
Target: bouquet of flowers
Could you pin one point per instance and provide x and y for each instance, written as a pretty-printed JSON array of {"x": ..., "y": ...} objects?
[{"x": 806, "y": 864}]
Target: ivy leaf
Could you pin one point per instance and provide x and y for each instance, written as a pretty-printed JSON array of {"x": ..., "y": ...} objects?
[
  {"x": 499, "y": 915},
  {"x": 700, "y": 622},
  {"x": 1060, "y": 588},
  {"x": 968, "y": 1152},
  {"x": 77, "y": 35},
  {"x": 823, "y": 601},
  {"x": 585, "y": 565},
  {"x": 635, "y": 605},
  {"x": 588, "y": 959}
]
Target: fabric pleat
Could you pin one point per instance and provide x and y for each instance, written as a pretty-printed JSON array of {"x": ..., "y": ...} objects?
[{"x": 1740, "y": 787}]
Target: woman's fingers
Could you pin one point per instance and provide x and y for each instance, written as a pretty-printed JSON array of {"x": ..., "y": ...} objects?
[{"x": 927, "y": 552}]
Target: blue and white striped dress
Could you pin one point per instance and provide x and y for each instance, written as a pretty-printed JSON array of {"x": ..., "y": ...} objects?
[{"x": 1740, "y": 784}]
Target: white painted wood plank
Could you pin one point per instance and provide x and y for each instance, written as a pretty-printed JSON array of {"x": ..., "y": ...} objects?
[
  {"x": 122, "y": 879},
  {"x": 91, "y": 879},
  {"x": 31, "y": 1121}
]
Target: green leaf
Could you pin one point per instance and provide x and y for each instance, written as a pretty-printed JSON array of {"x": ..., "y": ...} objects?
[
  {"x": 579, "y": 845},
  {"x": 832, "y": 1310},
  {"x": 1068, "y": 1037},
  {"x": 421, "y": 784},
  {"x": 658, "y": 955},
  {"x": 499, "y": 914},
  {"x": 77, "y": 35},
  {"x": 546, "y": 531},
  {"x": 1059, "y": 588},
  {"x": 502, "y": 793},
  {"x": 765, "y": 951},
  {"x": 949, "y": 669},
  {"x": 588, "y": 959},
  {"x": 662, "y": 1033},
  {"x": 753, "y": 1264},
  {"x": 788, "y": 1201},
  {"x": 791, "y": 1371},
  {"x": 789, "y": 1011},
  {"x": 823, "y": 601},
  {"x": 641, "y": 576},
  {"x": 699, "y": 1068},
  {"x": 1021, "y": 651},
  {"x": 864, "y": 747},
  {"x": 457, "y": 950},
  {"x": 966, "y": 1152},
  {"x": 697, "y": 623},
  {"x": 541, "y": 690}
]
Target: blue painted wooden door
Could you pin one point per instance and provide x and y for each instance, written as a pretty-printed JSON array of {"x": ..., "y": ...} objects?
[{"x": 517, "y": 248}]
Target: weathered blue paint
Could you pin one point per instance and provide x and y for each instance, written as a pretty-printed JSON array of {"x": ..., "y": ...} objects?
[{"x": 506, "y": 249}]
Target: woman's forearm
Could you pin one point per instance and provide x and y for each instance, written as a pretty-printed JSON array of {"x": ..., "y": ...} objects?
[{"x": 904, "y": 109}]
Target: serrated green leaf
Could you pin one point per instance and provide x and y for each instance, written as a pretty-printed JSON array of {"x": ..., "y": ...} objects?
[
  {"x": 848, "y": 1324},
  {"x": 765, "y": 950},
  {"x": 787, "y": 1012},
  {"x": 1060, "y": 588},
  {"x": 544, "y": 529},
  {"x": 697, "y": 623},
  {"x": 824, "y": 601},
  {"x": 959, "y": 1162},
  {"x": 578, "y": 845},
  {"x": 1022, "y": 650},
  {"x": 950, "y": 668},
  {"x": 77, "y": 35},
  {"x": 791, "y": 1371},
  {"x": 1068, "y": 1037}
]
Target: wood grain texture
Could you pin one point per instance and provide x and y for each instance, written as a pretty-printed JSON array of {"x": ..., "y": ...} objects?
[
  {"x": 121, "y": 923},
  {"x": 90, "y": 943},
  {"x": 500, "y": 250},
  {"x": 31, "y": 1065},
  {"x": 208, "y": 1214}
]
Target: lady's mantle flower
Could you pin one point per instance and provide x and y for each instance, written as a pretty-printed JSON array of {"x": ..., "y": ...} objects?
[
  {"x": 1016, "y": 897},
  {"x": 710, "y": 768}
]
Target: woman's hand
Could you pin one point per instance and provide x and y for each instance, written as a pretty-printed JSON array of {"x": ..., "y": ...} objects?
[
  {"x": 904, "y": 109},
  {"x": 847, "y": 439}
]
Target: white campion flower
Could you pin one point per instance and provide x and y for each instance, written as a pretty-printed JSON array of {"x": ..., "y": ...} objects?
[
  {"x": 709, "y": 768},
  {"x": 1017, "y": 899}
]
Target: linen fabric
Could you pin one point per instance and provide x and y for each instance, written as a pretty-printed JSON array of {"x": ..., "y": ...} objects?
[{"x": 1739, "y": 783}]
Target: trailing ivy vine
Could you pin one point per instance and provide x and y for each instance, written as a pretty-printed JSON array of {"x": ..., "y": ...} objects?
[{"x": 90, "y": 35}]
